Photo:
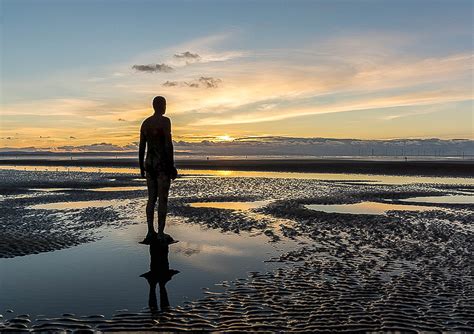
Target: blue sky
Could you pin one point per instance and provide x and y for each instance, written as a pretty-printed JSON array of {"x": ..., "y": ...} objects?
[{"x": 281, "y": 68}]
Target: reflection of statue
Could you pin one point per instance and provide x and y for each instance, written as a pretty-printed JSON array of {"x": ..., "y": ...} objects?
[{"x": 160, "y": 273}]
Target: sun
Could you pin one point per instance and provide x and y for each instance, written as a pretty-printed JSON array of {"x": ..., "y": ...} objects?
[{"x": 224, "y": 138}]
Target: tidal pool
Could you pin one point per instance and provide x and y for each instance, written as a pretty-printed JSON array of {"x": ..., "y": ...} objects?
[
  {"x": 126, "y": 188},
  {"x": 104, "y": 276},
  {"x": 50, "y": 189},
  {"x": 236, "y": 206},
  {"x": 448, "y": 199},
  {"x": 367, "y": 208},
  {"x": 73, "y": 205}
]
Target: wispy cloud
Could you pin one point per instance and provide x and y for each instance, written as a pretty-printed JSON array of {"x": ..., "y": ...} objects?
[
  {"x": 56, "y": 107},
  {"x": 150, "y": 68},
  {"x": 188, "y": 57},
  {"x": 171, "y": 83},
  {"x": 366, "y": 103},
  {"x": 209, "y": 82},
  {"x": 202, "y": 82}
]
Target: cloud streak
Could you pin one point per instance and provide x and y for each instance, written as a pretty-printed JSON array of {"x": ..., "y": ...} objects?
[
  {"x": 367, "y": 103},
  {"x": 151, "y": 68},
  {"x": 188, "y": 57},
  {"x": 202, "y": 82}
]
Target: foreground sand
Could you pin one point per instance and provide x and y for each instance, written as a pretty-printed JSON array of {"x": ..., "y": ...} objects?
[{"x": 405, "y": 271}]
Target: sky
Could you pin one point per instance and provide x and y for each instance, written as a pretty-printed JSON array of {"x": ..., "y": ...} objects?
[{"x": 85, "y": 72}]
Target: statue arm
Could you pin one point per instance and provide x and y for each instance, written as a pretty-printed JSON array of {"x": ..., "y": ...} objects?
[
  {"x": 169, "y": 145},
  {"x": 141, "y": 151}
]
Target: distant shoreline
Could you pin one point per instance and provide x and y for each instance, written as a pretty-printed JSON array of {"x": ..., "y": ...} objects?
[{"x": 331, "y": 166}]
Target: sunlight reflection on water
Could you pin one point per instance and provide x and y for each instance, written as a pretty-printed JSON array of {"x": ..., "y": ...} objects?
[
  {"x": 230, "y": 205},
  {"x": 386, "y": 179},
  {"x": 368, "y": 208},
  {"x": 104, "y": 276},
  {"x": 451, "y": 199}
]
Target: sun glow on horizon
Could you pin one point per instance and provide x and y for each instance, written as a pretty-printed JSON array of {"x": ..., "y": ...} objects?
[{"x": 225, "y": 138}]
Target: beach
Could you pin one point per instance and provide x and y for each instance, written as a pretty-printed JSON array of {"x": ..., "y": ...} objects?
[
  {"x": 308, "y": 266},
  {"x": 236, "y": 166}
]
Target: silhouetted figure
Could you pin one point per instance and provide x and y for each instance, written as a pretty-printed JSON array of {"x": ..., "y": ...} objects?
[
  {"x": 158, "y": 167},
  {"x": 160, "y": 273}
]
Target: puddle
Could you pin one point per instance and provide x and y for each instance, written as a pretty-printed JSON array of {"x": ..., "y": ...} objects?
[
  {"x": 448, "y": 199},
  {"x": 466, "y": 192},
  {"x": 128, "y": 188},
  {"x": 34, "y": 195},
  {"x": 73, "y": 205},
  {"x": 237, "y": 206},
  {"x": 104, "y": 276},
  {"x": 367, "y": 208},
  {"x": 51, "y": 189}
]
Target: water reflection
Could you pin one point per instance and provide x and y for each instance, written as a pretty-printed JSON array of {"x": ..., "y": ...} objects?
[
  {"x": 236, "y": 206},
  {"x": 105, "y": 274},
  {"x": 159, "y": 274},
  {"x": 448, "y": 199},
  {"x": 73, "y": 205},
  {"x": 125, "y": 188},
  {"x": 50, "y": 189},
  {"x": 385, "y": 179},
  {"x": 349, "y": 177},
  {"x": 367, "y": 208}
]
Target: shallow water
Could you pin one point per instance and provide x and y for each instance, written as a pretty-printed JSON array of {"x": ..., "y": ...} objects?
[
  {"x": 236, "y": 206},
  {"x": 127, "y": 188},
  {"x": 50, "y": 189},
  {"x": 367, "y": 208},
  {"x": 385, "y": 179},
  {"x": 104, "y": 276},
  {"x": 73, "y": 205},
  {"x": 448, "y": 199}
]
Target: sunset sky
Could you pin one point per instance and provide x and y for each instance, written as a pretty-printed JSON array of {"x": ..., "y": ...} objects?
[{"x": 84, "y": 72}]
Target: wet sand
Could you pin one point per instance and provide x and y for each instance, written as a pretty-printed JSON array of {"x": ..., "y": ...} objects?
[
  {"x": 401, "y": 271},
  {"x": 458, "y": 168}
]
